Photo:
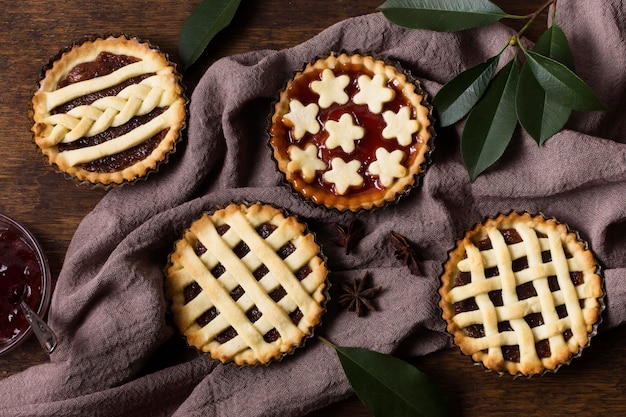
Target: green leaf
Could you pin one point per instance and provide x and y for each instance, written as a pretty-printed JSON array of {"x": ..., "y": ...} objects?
[
  {"x": 553, "y": 43},
  {"x": 389, "y": 386},
  {"x": 490, "y": 125},
  {"x": 459, "y": 95},
  {"x": 441, "y": 15},
  {"x": 210, "y": 17},
  {"x": 538, "y": 112},
  {"x": 562, "y": 84}
]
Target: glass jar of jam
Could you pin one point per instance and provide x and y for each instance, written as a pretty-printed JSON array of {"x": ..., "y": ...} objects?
[{"x": 24, "y": 275}]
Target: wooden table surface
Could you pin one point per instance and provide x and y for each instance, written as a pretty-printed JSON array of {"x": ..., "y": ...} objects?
[{"x": 51, "y": 207}]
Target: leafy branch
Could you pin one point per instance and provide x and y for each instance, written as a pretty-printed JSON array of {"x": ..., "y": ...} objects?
[{"x": 540, "y": 93}]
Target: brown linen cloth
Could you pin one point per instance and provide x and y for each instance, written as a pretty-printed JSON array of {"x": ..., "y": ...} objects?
[{"x": 118, "y": 353}]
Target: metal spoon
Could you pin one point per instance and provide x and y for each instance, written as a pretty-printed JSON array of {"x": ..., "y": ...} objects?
[{"x": 44, "y": 333}]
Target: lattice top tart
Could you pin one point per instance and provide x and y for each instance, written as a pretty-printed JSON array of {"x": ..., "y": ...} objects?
[
  {"x": 351, "y": 132},
  {"x": 108, "y": 110},
  {"x": 247, "y": 284},
  {"x": 521, "y": 294}
]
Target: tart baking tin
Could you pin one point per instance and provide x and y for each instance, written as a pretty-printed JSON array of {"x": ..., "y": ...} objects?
[
  {"x": 247, "y": 284},
  {"x": 522, "y": 294},
  {"x": 145, "y": 94},
  {"x": 326, "y": 143}
]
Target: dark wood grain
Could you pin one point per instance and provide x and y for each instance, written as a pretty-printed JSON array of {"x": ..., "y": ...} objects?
[{"x": 32, "y": 30}]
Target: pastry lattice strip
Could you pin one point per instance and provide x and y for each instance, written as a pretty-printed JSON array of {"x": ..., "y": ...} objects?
[
  {"x": 89, "y": 120},
  {"x": 507, "y": 281},
  {"x": 240, "y": 272}
]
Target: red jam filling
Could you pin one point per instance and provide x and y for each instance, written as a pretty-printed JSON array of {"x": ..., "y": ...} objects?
[
  {"x": 20, "y": 277},
  {"x": 365, "y": 151},
  {"x": 104, "y": 64}
]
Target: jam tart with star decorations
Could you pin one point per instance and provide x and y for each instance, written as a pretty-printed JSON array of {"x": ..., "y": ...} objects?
[
  {"x": 521, "y": 294},
  {"x": 108, "y": 110},
  {"x": 351, "y": 132},
  {"x": 247, "y": 284}
]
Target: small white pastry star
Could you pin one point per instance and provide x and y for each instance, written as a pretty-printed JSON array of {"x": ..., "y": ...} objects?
[
  {"x": 303, "y": 118},
  {"x": 373, "y": 92},
  {"x": 331, "y": 89},
  {"x": 343, "y": 133},
  {"x": 343, "y": 175},
  {"x": 400, "y": 126},
  {"x": 387, "y": 166},
  {"x": 305, "y": 161}
]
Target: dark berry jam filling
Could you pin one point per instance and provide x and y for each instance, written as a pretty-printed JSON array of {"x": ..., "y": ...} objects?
[
  {"x": 20, "y": 278},
  {"x": 199, "y": 249},
  {"x": 218, "y": 270},
  {"x": 277, "y": 294},
  {"x": 254, "y": 314},
  {"x": 303, "y": 272},
  {"x": 226, "y": 335},
  {"x": 237, "y": 292},
  {"x": 207, "y": 316},
  {"x": 265, "y": 230},
  {"x": 241, "y": 249},
  {"x": 271, "y": 336},
  {"x": 286, "y": 250},
  {"x": 104, "y": 64},
  {"x": 191, "y": 291},
  {"x": 260, "y": 272}
]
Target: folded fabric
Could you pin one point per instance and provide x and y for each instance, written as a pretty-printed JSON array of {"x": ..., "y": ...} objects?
[{"x": 118, "y": 353}]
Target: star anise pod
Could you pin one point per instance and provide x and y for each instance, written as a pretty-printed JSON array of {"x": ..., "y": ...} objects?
[
  {"x": 358, "y": 296},
  {"x": 350, "y": 236},
  {"x": 405, "y": 251}
]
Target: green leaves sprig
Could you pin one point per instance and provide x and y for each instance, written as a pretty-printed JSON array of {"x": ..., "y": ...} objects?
[
  {"x": 389, "y": 386},
  {"x": 540, "y": 95},
  {"x": 206, "y": 21}
]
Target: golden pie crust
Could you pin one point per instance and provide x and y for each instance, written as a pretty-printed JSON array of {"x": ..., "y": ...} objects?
[
  {"x": 521, "y": 294},
  {"x": 351, "y": 132},
  {"x": 247, "y": 284},
  {"x": 87, "y": 127}
]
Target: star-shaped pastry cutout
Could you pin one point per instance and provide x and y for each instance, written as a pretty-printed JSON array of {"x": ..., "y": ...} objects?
[
  {"x": 343, "y": 133},
  {"x": 331, "y": 89},
  {"x": 303, "y": 118},
  {"x": 306, "y": 161},
  {"x": 387, "y": 166},
  {"x": 373, "y": 92},
  {"x": 343, "y": 175},
  {"x": 400, "y": 126}
]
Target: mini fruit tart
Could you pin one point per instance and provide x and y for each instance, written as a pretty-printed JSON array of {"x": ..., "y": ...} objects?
[
  {"x": 247, "y": 284},
  {"x": 521, "y": 294},
  {"x": 108, "y": 110},
  {"x": 351, "y": 132}
]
